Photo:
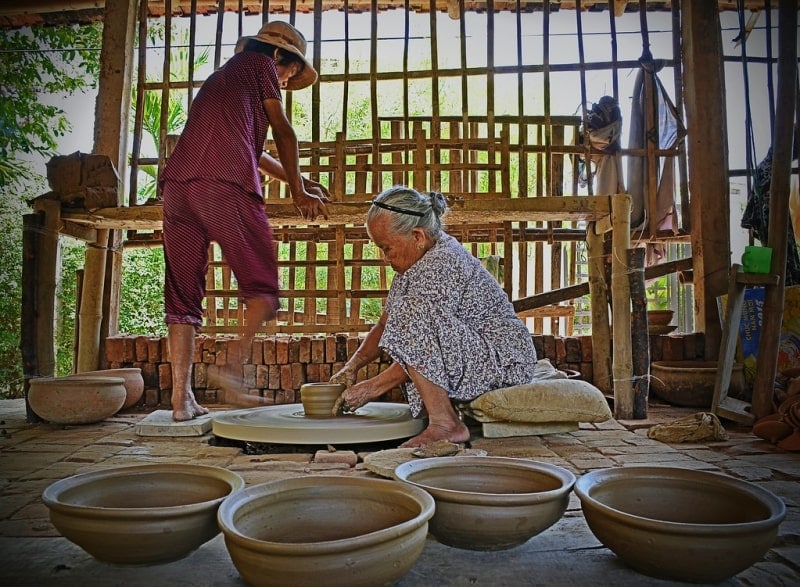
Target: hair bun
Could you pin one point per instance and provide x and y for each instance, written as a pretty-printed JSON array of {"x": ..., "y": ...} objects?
[{"x": 438, "y": 203}]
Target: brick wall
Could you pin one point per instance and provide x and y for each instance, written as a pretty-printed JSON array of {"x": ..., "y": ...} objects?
[{"x": 279, "y": 365}]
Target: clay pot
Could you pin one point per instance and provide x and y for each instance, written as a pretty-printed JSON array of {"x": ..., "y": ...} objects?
[
  {"x": 659, "y": 317},
  {"x": 318, "y": 399},
  {"x": 680, "y": 524},
  {"x": 140, "y": 515},
  {"x": 134, "y": 383},
  {"x": 490, "y": 503},
  {"x": 325, "y": 530},
  {"x": 690, "y": 383},
  {"x": 76, "y": 400}
]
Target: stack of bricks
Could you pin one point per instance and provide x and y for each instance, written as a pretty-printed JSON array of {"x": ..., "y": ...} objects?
[{"x": 279, "y": 365}]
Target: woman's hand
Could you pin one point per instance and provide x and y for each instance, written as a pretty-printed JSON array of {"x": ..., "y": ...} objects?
[
  {"x": 310, "y": 205},
  {"x": 356, "y": 396}
]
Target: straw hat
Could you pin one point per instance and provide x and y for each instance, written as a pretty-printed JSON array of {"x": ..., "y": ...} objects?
[{"x": 282, "y": 34}]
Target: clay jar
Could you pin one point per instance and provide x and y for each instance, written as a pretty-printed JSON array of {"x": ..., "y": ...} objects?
[
  {"x": 318, "y": 399},
  {"x": 134, "y": 383},
  {"x": 75, "y": 399}
]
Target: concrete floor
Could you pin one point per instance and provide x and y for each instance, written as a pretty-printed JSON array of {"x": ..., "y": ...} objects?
[{"x": 34, "y": 455}]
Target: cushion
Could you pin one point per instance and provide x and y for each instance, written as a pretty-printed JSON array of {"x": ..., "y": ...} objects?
[{"x": 548, "y": 400}]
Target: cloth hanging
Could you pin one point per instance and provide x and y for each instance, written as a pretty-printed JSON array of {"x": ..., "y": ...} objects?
[
  {"x": 668, "y": 131},
  {"x": 756, "y": 217},
  {"x": 604, "y": 125}
]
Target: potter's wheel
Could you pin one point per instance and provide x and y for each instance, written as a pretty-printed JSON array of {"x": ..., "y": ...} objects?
[{"x": 287, "y": 424}]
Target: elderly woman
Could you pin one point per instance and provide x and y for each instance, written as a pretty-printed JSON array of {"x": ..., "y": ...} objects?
[{"x": 448, "y": 326}]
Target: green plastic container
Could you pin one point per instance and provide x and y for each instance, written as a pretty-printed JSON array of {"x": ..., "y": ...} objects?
[{"x": 757, "y": 259}]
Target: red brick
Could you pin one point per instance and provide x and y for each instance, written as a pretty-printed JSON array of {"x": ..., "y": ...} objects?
[
  {"x": 586, "y": 348},
  {"x": 274, "y": 377},
  {"x": 286, "y": 377},
  {"x": 294, "y": 350},
  {"x": 298, "y": 375},
  {"x": 318, "y": 350},
  {"x": 304, "y": 349},
  {"x": 262, "y": 376},
  {"x": 353, "y": 342},
  {"x": 282, "y": 350},
  {"x": 285, "y": 396},
  {"x": 347, "y": 457},
  {"x": 114, "y": 349},
  {"x": 200, "y": 375},
  {"x": 312, "y": 373},
  {"x": 154, "y": 349},
  {"x": 341, "y": 347},
  {"x": 269, "y": 351},
  {"x": 257, "y": 351},
  {"x": 165, "y": 376},
  {"x": 140, "y": 348},
  {"x": 573, "y": 349},
  {"x": 330, "y": 349},
  {"x": 249, "y": 376}
]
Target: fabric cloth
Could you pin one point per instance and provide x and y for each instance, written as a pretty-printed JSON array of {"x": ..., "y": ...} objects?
[
  {"x": 226, "y": 128},
  {"x": 211, "y": 189},
  {"x": 198, "y": 212},
  {"x": 451, "y": 321}
]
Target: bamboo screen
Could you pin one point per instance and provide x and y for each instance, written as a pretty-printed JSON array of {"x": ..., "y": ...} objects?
[{"x": 484, "y": 105}]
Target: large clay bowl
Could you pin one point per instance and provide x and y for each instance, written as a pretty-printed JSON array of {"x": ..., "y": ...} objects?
[
  {"x": 75, "y": 399},
  {"x": 490, "y": 503},
  {"x": 325, "y": 530},
  {"x": 140, "y": 515},
  {"x": 134, "y": 382},
  {"x": 690, "y": 383},
  {"x": 318, "y": 399},
  {"x": 680, "y": 524}
]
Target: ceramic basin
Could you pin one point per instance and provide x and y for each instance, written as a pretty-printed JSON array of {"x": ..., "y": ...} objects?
[
  {"x": 133, "y": 381},
  {"x": 690, "y": 383},
  {"x": 143, "y": 514},
  {"x": 75, "y": 399},
  {"x": 325, "y": 530},
  {"x": 490, "y": 503},
  {"x": 679, "y": 524}
]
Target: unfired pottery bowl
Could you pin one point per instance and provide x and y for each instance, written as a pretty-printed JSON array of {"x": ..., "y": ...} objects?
[
  {"x": 325, "y": 530},
  {"x": 680, "y": 524},
  {"x": 318, "y": 399},
  {"x": 75, "y": 399},
  {"x": 134, "y": 382},
  {"x": 490, "y": 503},
  {"x": 690, "y": 383},
  {"x": 143, "y": 514}
]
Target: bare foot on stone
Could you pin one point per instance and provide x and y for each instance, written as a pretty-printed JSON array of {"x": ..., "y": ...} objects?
[
  {"x": 187, "y": 408},
  {"x": 457, "y": 434}
]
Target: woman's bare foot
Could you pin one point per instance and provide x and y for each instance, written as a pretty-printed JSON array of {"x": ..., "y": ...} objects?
[
  {"x": 457, "y": 433},
  {"x": 186, "y": 408}
]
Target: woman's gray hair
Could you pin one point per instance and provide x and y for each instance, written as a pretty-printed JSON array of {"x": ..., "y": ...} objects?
[{"x": 408, "y": 209}]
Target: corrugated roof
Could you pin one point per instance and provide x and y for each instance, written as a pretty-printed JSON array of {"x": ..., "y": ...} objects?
[{"x": 20, "y": 13}]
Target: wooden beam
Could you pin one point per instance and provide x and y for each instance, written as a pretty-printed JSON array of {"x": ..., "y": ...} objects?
[{"x": 707, "y": 148}]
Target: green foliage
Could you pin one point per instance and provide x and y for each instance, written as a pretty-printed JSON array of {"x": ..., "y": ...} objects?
[{"x": 37, "y": 63}]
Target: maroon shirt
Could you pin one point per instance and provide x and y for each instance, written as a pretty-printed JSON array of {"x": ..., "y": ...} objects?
[{"x": 225, "y": 132}]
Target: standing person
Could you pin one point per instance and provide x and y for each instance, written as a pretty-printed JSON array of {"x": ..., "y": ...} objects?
[
  {"x": 212, "y": 191},
  {"x": 447, "y": 324}
]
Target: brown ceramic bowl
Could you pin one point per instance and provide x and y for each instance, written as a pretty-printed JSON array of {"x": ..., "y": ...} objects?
[
  {"x": 134, "y": 382},
  {"x": 143, "y": 514},
  {"x": 680, "y": 524},
  {"x": 490, "y": 503},
  {"x": 690, "y": 383},
  {"x": 325, "y": 530},
  {"x": 75, "y": 399}
]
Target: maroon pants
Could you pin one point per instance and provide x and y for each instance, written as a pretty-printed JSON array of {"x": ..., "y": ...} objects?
[{"x": 199, "y": 212}]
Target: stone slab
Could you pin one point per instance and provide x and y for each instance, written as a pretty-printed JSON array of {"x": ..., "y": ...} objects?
[
  {"x": 506, "y": 429},
  {"x": 160, "y": 423}
]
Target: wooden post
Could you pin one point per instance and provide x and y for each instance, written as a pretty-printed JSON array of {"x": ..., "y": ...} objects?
[
  {"x": 782, "y": 138},
  {"x": 112, "y": 110},
  {"x": 640, "y": 338},
  {"x": 31, "y": 229},
  {"x": 47, "y": 267},
  {"x": 601, "y": 331},
  {"x": 707, "y": 148},
  {"x": 622, "y": 367}
]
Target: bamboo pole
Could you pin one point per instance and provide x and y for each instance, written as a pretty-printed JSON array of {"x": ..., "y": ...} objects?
[
  {"x": 91, "y": 312},
  {"x": 640, "y": 343},
  {"x": 32, "y": 225},
  {"x": 601, "y": 331},
  {"x": 783, "y": 135},
  {"x": 622, "y": 367}
]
